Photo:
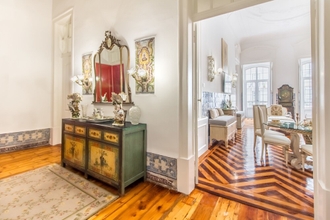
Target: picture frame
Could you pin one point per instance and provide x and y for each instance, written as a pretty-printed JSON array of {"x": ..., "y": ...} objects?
[
  {"x": 144, "y": 66},
  {"x": 87, "y": 66}
]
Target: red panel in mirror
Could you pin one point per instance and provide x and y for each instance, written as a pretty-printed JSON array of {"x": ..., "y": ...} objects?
[{"x": 109, "y": 80}]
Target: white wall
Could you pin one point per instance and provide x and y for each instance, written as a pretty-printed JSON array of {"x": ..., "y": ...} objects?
[
  {"x": 283, "y": 50},
  {"x": 26, "y": 79},
  {"x": 129, "y": 21},
  {"x": 211, "y": 32}
]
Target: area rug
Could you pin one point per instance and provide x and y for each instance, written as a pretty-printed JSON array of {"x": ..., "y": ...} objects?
[{"x": 51, "y": 192}]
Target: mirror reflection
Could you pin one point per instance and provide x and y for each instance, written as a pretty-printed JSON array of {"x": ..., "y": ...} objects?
[{"x": 111, "y": 63}]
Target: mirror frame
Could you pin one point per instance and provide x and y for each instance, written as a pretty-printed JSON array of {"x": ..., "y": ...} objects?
[{"x": 109, "y": 42}]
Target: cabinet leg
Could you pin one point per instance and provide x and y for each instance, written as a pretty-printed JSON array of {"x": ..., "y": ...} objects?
[
  {"x": 122, "y": 191},
  {"x": 86, "y": 176}
]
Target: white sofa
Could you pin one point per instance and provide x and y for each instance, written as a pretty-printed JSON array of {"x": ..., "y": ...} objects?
[
  {"x": 222, "y": 127},
  {"x": 240, "y": 115},
  {"x": 278, "y": 112}
]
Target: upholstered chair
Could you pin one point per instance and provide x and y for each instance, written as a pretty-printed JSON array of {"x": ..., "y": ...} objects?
[
  {"x": 306, "y": 150},
  {"x": 257, "y": 126},
  {"x": 269, "y": 138},
  {"x": 278, "y": 112}
]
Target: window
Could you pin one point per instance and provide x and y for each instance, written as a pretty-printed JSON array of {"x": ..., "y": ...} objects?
[
  {"x": 306, "y": 88},
  {"x": 256, "y": 86}
]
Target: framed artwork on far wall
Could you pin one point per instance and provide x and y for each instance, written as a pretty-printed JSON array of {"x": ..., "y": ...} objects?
[
  {"x": 87, "y": 73},
  {"x": 144, "y": 66},
  {"x": 224, "y": 55}
]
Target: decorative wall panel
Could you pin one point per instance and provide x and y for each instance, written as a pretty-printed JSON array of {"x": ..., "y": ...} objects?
[
  {"x": 162, "y": 170},
  {"x": 214, "y": 100},
  {"x": 23, "y": 140}
]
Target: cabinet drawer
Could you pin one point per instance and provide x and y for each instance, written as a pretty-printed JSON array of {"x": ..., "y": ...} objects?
[
  {"x": 80, "y": 130},
  {"x": 111, "y": 137},
  {"x": 95, "y": 133},
  {"x": 68, "y": 127}
]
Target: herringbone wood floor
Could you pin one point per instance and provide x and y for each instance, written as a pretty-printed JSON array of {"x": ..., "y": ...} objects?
[
  {"x": 144, "y": 200},
  {"x": 236, "y": 173}
]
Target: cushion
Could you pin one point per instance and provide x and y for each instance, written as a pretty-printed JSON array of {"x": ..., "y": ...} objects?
[
  {"x": 214, "y": 113},
  {"x": 277, "y": 139},
  {"x": 223, "y": 120},
  {"x": 276, "y": 110},
  {"x": 308, "y": 148},
  {"x": 220, "y": 111},
  {"x": 240, "y": 113},
  {"x": 282, "y": 118},
  {"x": 268, "y": 132}
]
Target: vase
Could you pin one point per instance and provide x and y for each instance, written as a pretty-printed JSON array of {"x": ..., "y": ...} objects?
[
  {"x": 84, "y": 109},
  {"x": 134, "y": 115}
]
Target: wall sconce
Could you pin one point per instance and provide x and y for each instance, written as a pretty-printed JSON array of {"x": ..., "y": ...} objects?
[
  {"x": 211, "y": 69},
  {"x": 234, "y": 80},
  {"x": 142, "y": 77},
  {"x": 220, "y": 71},
  {"x": 84, "y": 82}
]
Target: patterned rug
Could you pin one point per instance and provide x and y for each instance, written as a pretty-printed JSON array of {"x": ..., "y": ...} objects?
[{"x": 50, "y": 192}]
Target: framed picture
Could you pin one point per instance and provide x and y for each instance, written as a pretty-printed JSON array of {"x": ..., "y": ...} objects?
[
  {"x": 144, "y": 65},
  {"x": 87, "y": 73},
  {"x": 224, "y": 55}
]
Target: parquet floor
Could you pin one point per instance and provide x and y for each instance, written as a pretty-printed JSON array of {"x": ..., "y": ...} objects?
[
  {"x": 236, "y": 173},
  {"x": 240, "y": 177}
]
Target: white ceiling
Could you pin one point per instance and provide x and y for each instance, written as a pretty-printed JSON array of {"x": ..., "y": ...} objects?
[{"x": 270, "y": 18}]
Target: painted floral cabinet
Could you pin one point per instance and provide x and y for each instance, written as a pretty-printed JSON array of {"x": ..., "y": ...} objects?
[{"x": 115, "y": 155}]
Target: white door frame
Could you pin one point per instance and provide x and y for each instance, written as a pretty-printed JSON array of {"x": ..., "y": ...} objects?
[
  {"x": 321, "y": 133},
  {"x": 59, "y": 88},
  {"x": 320, "y": 19}
]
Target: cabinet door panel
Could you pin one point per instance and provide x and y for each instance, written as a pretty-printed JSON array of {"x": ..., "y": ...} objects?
[
  {"x": 134, "y": 154},
  {"x": 74, "y": 149},
  {"x": 103, "y": 159}
]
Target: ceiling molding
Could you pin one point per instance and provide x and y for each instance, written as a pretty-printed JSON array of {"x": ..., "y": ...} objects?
[{"x": 234, "y": 6}]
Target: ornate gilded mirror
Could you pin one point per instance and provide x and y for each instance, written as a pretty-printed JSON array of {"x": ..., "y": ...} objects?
[{"x": 111, "y": 63}]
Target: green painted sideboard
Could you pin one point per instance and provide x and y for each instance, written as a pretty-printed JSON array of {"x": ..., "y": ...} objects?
[{"x": 115, "y": 155}]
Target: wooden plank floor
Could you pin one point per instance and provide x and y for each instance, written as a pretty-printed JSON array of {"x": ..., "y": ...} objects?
[
  {"x": 237, "y": 173},
  {"x": 143, "y": 200}
]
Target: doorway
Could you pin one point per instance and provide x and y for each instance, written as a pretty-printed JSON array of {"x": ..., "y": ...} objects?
[
  {"x": 258, "y": 56},
  {"x": 62, "y": 69}
]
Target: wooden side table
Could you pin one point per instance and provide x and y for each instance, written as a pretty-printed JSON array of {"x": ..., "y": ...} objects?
[{"x": 229, "y": 111}]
